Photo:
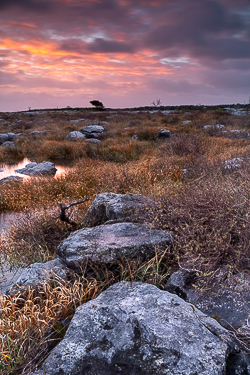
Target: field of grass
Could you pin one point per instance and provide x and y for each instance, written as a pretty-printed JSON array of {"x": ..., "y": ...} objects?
[{"x": 205, "y": 205}]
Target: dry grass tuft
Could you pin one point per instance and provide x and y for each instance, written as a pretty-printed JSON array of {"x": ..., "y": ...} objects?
[{"x": 33, "y": 323}]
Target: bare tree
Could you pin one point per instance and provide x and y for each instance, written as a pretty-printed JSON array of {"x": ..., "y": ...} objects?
[{"x": 157, "y": 102}]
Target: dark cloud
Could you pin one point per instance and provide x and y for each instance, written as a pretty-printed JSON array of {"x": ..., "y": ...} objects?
[
  {"x": 101, "y": 45},
  {"x": 204, "y": 28},
  {"x": 25, "y": 4},
  {"x": 174, "y": 47}
]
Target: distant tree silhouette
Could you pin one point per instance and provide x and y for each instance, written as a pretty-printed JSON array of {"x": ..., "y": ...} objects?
[{"x": 97, "y": 104}]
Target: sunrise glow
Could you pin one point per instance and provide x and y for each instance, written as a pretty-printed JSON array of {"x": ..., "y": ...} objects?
[{"x": 59, "y": 53}]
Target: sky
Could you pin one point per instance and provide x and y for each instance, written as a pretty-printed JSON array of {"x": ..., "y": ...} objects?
[{"x": 125, "y": 53}]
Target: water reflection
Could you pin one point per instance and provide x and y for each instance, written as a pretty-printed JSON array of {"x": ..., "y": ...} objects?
[{"x": 9, "y": 170}]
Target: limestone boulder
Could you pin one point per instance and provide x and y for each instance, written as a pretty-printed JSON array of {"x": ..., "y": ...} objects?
[
  {"x": 137, "y": 329},
  {"x": 111, "y": 207},
  {"x": 75, "y": 135},
  {"x": 45, "y": 168},
  {"x": 8, "y": 144},
  {"x": 38, "y": 273},
  {"x": 7, "y": 137},
  {"x": 109, "y": 243},
  {"x": 163, "y": 134},
  {"x": 92, "y": 130},
  {"x": 10, "y": 179}
]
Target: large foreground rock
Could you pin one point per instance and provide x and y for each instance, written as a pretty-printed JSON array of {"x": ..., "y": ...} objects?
[
  {"x": 38, "y": 273},
  {"x": 137, "y": 329},
  {"x": 116, "y": 207},
  {"x": 46, "y": 168},
  {"x": 110, "y": 243}
]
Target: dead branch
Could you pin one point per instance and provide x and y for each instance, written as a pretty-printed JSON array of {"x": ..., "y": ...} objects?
[{"x": 63, "y": 216}]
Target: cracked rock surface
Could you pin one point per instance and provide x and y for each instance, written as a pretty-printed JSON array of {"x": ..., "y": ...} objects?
[
  {"x": 111, "y": 242},
  {"x": 137, "y": 329}
]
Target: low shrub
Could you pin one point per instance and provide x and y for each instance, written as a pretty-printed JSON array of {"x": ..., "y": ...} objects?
[
  {"x": 34, "y": 237},
  {"x": 210, "y": 219}
]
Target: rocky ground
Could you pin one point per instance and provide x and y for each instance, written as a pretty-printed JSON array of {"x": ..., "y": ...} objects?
[{"x": 165, "y": 252}]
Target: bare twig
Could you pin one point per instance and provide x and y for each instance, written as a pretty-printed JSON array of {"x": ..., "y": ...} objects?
[{"x": 63, "y": 216}]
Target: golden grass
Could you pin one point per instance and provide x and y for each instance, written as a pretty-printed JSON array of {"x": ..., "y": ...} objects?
[
  {"x": 25, "y": 319},
  {"x": 31, "y": 322}
]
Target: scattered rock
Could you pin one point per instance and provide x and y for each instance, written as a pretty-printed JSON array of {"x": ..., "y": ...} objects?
[
  {"x": 218, "y": 130},
  {"x": 163, "y": 134},
  {"x": 137, "y": 329},
  {"x": 111, "y": 242},
  {"x": 36, "y": 274},
  {"x": 234, "y": 163},
  {"x": 38, "y": 132},
  {"x": 45, "y": 168},
  {"x": 238, "y": 134},
  {"x": 134, "y": 137},
  {"x": 75, "y": 135},
  {"x": 8, "y": 144},
  {"x": 93, "y": 140},
  {"x": 92, "y": 130},
  {"x": 186, "y": 122},
  {"x": 7, "y": 137},
  {"x": 214, "y": 127},
  {"x": 111, "y": 207},
  {"x": 11, "y": 179}
]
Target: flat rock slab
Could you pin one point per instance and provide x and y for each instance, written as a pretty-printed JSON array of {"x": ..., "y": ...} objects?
[
  {"x": 137, "y": 329},
  {"x": 228, "y": 300},
  {"x": 110, "y": 243},
  {"x": 45, "y": 168},
  {"x": 36, "y": 274},
  {"x": 116, "y": 207}
]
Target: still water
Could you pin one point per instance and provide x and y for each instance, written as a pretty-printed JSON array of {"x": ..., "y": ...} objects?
[{"x": 9, "y": 170}]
